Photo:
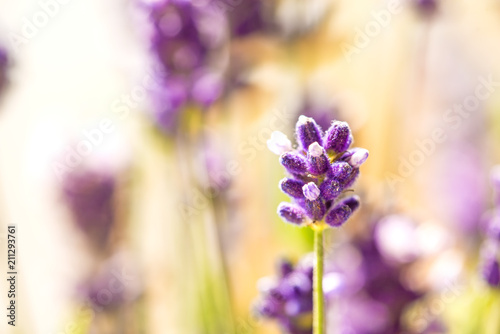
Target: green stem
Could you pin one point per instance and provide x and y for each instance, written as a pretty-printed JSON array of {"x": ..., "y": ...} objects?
[{"x": 319, "y": 300}]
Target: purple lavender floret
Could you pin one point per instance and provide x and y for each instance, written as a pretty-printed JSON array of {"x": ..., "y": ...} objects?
[
  {"x": 294, "y": 162},
  {"x": 291, "y": 213},
  {"x": 338, "y": 215},
  {"x": 338, "y": 137},
  {"x": 324, "y": 174},
  {"x": 292, "y": 187},
  {"x": 317, "y": 159},
  {"x": 355, "y": 156},
  {"x": 330, "y": 189},
  {"x": 352, "y": 202},
  {"x": 308, "y": 132},
  {"x": 340, "y": 171},
  {"x": 315, "y": 209}
]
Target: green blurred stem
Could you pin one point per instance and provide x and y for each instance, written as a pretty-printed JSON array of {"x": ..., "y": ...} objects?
[{"x": 319, "y": 300}]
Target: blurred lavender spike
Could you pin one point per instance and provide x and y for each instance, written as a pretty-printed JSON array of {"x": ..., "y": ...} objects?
[
  {"x": 89, "y": 194},
  {"x": 4, "y": 63},
  {"x": 185, "y": 36},
  {"x": 490, "y": 251}
]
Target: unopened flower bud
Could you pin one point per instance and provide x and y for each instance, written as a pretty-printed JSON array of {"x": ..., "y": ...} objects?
[
  {"x": 317, "y": 159},
  {"x": 292, "y": 187},
  {"x": 315, "y": 209},
  {"x": 338, "y": 215},
  {"x": 351, "y": 179},
  {"x": 352, "y": 202},
  {"x": 355, "y": 157},
  {"x": 308, "y": 132},
  {"x": 340, "y": 171},
  {"x": 338, "y": 137},
  {"x": 311, "y": 191},
  {"x": 330, "y": 189},
  {"x": 279, "y": 143},
  {"x": 294, "y": 162},
  {"x": 291, "y": 213}
]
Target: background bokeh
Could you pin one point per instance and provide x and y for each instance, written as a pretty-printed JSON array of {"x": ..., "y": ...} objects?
[{"x": 168, "y": 221}]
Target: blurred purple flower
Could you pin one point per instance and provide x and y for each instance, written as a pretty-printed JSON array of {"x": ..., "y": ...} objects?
[
  {"x": 115, "y": 283},
  {"x": 249, "y": 17},
  {"x": 89, "y": 194},
  {"x": 426, "y": 7},
  {"x": 490, "y": 252},
  {"x": 366, "y": 286},
  {"x": 377, "y": 302},
  {"x": 4, "y": 62},
  {"x": 288, "y": 298},
  {"x": 184, "y": 41},
  {"x": 323, "y": 168}
]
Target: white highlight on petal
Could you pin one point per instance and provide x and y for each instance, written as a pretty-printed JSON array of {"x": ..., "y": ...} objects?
[
  {"x": 311, "y": 191},
  {"x": 279, "y": 143},
  {"x": 315, "y": 149},
  {"x": 304, "y": 120}
]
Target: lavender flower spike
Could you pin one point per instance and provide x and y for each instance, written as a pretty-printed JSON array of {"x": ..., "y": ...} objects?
[
  {"x": 308, "y": 132},
  {"x": 321, "y": 173},
  {"x": 279, "y": 143},
  {"x": 321, "y": 163}
]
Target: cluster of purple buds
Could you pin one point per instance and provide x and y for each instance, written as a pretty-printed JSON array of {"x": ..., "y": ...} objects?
[
  {"x": 490, "y": 251},
  {"x": 289, "y": 298},
  {"x": 320, "y": 170},
  {"x": 185, "y": 39},
  {"x": 89, "y": 194}
]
